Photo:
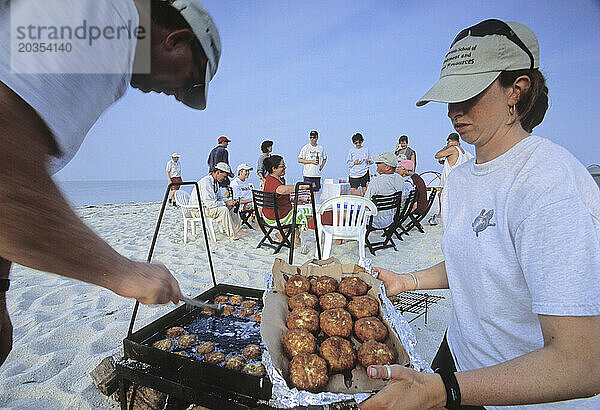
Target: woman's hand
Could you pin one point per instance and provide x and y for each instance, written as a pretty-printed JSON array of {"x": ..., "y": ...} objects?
[
  {"x": 407, "y": 389},
  {"x": 394, "y": 283}
]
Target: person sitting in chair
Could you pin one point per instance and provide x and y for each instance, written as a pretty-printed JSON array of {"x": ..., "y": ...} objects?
[
  {"x": 216, "y": 206},
  {"x": 386, "y": 183},
  {"x": 275, "y": 182},
  {"x": 406, "y": 168}
]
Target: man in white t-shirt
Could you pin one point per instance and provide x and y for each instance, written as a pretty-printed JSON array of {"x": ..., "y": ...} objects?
[
  {"x": 313, "y": 157},
  {"x": 174, "y": 175},
  {"x": 387, "y": 182},
  {"x": 49, "y": 104},
  {"x": 241, "y": 188}
]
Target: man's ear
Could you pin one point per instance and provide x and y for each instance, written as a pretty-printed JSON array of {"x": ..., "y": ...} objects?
[
  {"x": 519, "y": 88},
  {"x": 178, "y": 38}
]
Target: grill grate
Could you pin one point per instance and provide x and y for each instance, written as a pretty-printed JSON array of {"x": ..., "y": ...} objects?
[{"x": 415, "y": 303}]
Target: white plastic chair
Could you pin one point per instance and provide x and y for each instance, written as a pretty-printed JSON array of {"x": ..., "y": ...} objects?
[
  {"x": 182, "y": 199},
  {"x": 350, "y": 216}
]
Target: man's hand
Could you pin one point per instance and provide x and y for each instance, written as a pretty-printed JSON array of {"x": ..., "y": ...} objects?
[
  {"x": 407, "y": 389},
  {"x": 6, "y": 330},
  {"x": 314, "y": 161},
  {"x": 150, "y": 284}
]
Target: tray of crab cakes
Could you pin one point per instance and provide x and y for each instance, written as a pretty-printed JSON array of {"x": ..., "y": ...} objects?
[
  {"x": 322, "y": 327},
  {"x": 201, "y": 347}
]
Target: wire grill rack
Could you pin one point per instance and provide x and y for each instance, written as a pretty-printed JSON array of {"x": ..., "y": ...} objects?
[{"x": 414, "y": 302}]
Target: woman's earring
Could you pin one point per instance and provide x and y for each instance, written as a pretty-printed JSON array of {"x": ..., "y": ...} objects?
[{"x": 511, "y": 109}]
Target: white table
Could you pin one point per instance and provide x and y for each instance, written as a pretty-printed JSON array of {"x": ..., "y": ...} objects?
[{"x": 330, "y": 190}]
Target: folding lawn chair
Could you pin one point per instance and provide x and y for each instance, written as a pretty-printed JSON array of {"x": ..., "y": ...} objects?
[
  {"x": 399, "y": 229},
  {"x": 266, "y": 200},
  {"x": 384, "y": 203},
  {"x": 415, "y": 218}
]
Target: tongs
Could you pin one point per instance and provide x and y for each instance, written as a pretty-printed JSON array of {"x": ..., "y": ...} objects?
[{"x": 189, "y": 302}]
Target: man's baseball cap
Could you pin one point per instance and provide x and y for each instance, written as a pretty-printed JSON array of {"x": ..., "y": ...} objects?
[
  {"x": 477, "y": 57},
  {"x": 174, "y": 155},
  {"x": 314, "y": 133},
  {"x": 223, "y": 138},
  {"x": 243, "y": 167},
  {"x": 387, "y": 158},
  {"x": 222, "y": 166},
  {"x": 206, "y": 32},
  {"x": 407, "y": 164}
]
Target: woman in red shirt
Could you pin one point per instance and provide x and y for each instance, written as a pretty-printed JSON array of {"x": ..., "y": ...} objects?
[{"x": 275, "y": 182}]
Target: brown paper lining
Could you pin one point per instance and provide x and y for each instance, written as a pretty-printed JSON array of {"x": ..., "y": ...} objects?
[{"x": 276, "y": 310}]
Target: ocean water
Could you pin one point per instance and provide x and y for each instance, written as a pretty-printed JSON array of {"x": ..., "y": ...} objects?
[{"x": 80, "y": 193}]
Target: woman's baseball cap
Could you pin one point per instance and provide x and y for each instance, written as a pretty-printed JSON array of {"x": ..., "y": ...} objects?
[{"x": 477, "y": 57}]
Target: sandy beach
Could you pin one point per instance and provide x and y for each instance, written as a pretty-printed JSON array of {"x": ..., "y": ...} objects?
[{"x": 64, "y": 328}]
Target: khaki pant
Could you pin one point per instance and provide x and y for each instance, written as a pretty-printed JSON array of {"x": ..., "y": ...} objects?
[{"x": 225, "y": 217}]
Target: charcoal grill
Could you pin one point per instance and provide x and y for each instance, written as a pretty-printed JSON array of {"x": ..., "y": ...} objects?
[{"x": 185, "y": 378}]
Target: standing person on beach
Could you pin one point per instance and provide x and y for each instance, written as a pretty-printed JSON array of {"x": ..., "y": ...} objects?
[
  {"x": 219, "y": 154},
  {"x": 45, "y": 117},
  {"x": 215, "y": 204},
  {"x": 451, "y": 156},
  {"x": 174, "y": 175},
  {"x": 313, "y": 157},
  {"x": 403, "y": 151},
  {"x": 266, "y": 147},
  {"x": 525, "y": 319},
  {"x": 358, "y": 160}
]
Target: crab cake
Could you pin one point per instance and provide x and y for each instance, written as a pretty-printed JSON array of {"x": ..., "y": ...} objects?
[
  {"x": 186, "y": 340},
  {"x": 323, "y": 285},
  {"x": 236, "y": 299},
  {"x": 308, "y": 372},
  {"x": 338, "y": 353},
  {"x": 174, "y": 332},
  {"x": 252, "y": 369},
  {"x": 363, "y": 306},
  {"x": 353, "y": 287},
  {"x": 235, "y": 362},
  {"x": 257, "y": 317},
  {"x": 228, "y": 310},
  {"x": 370, "y": 328},
  {"x": 303, "y": 299},
  {"x": 252, "y": 352},
  {"x": 222, "y": 299},
  {"x": 304, "y": 318},
  {"x": 298, "y": 341},
  {"x": 332, "y": 300},
  {"x": 164, "y": 344},
  {"x": 374, "y": 352},
  {"x": 250, "y": 304},
  {"x": 297, "y": 284},
  {"x": 336, "y": 322},
  {"x": 214, "y": 357},
  {"x": 205, "y": 348},
  {"x": 246, "y": 312}
]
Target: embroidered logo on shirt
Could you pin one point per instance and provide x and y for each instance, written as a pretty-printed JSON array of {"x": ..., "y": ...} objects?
[{"x": 482, "y": 221}]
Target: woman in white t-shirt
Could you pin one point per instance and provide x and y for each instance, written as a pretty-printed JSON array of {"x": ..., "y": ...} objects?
[
  {"x": 521, "y": 254},
  {"x": 358, "y": 161}
]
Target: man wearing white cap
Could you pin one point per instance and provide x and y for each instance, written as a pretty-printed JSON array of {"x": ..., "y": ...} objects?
[
  {"x": 174, "y": 174},
  {"x": 386, "y": 183},
  {"x": 216, "y": 205},
  {"x": 49, "y": 101},
  {"x": 242, "y": 190}
]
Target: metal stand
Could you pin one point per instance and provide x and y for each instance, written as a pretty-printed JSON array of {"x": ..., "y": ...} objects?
[{"x": 314, "y": 210}]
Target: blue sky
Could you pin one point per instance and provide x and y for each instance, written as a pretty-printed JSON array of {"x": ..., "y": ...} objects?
[{"x": 341, "y": 67}]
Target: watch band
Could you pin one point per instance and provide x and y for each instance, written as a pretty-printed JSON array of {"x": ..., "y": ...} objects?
[
  {"x": 4, "y": 285},
  {"x": 452, "y": 389}
]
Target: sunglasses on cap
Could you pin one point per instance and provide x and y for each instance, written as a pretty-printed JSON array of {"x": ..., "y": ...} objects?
[{"x": 493, "y": 26}]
